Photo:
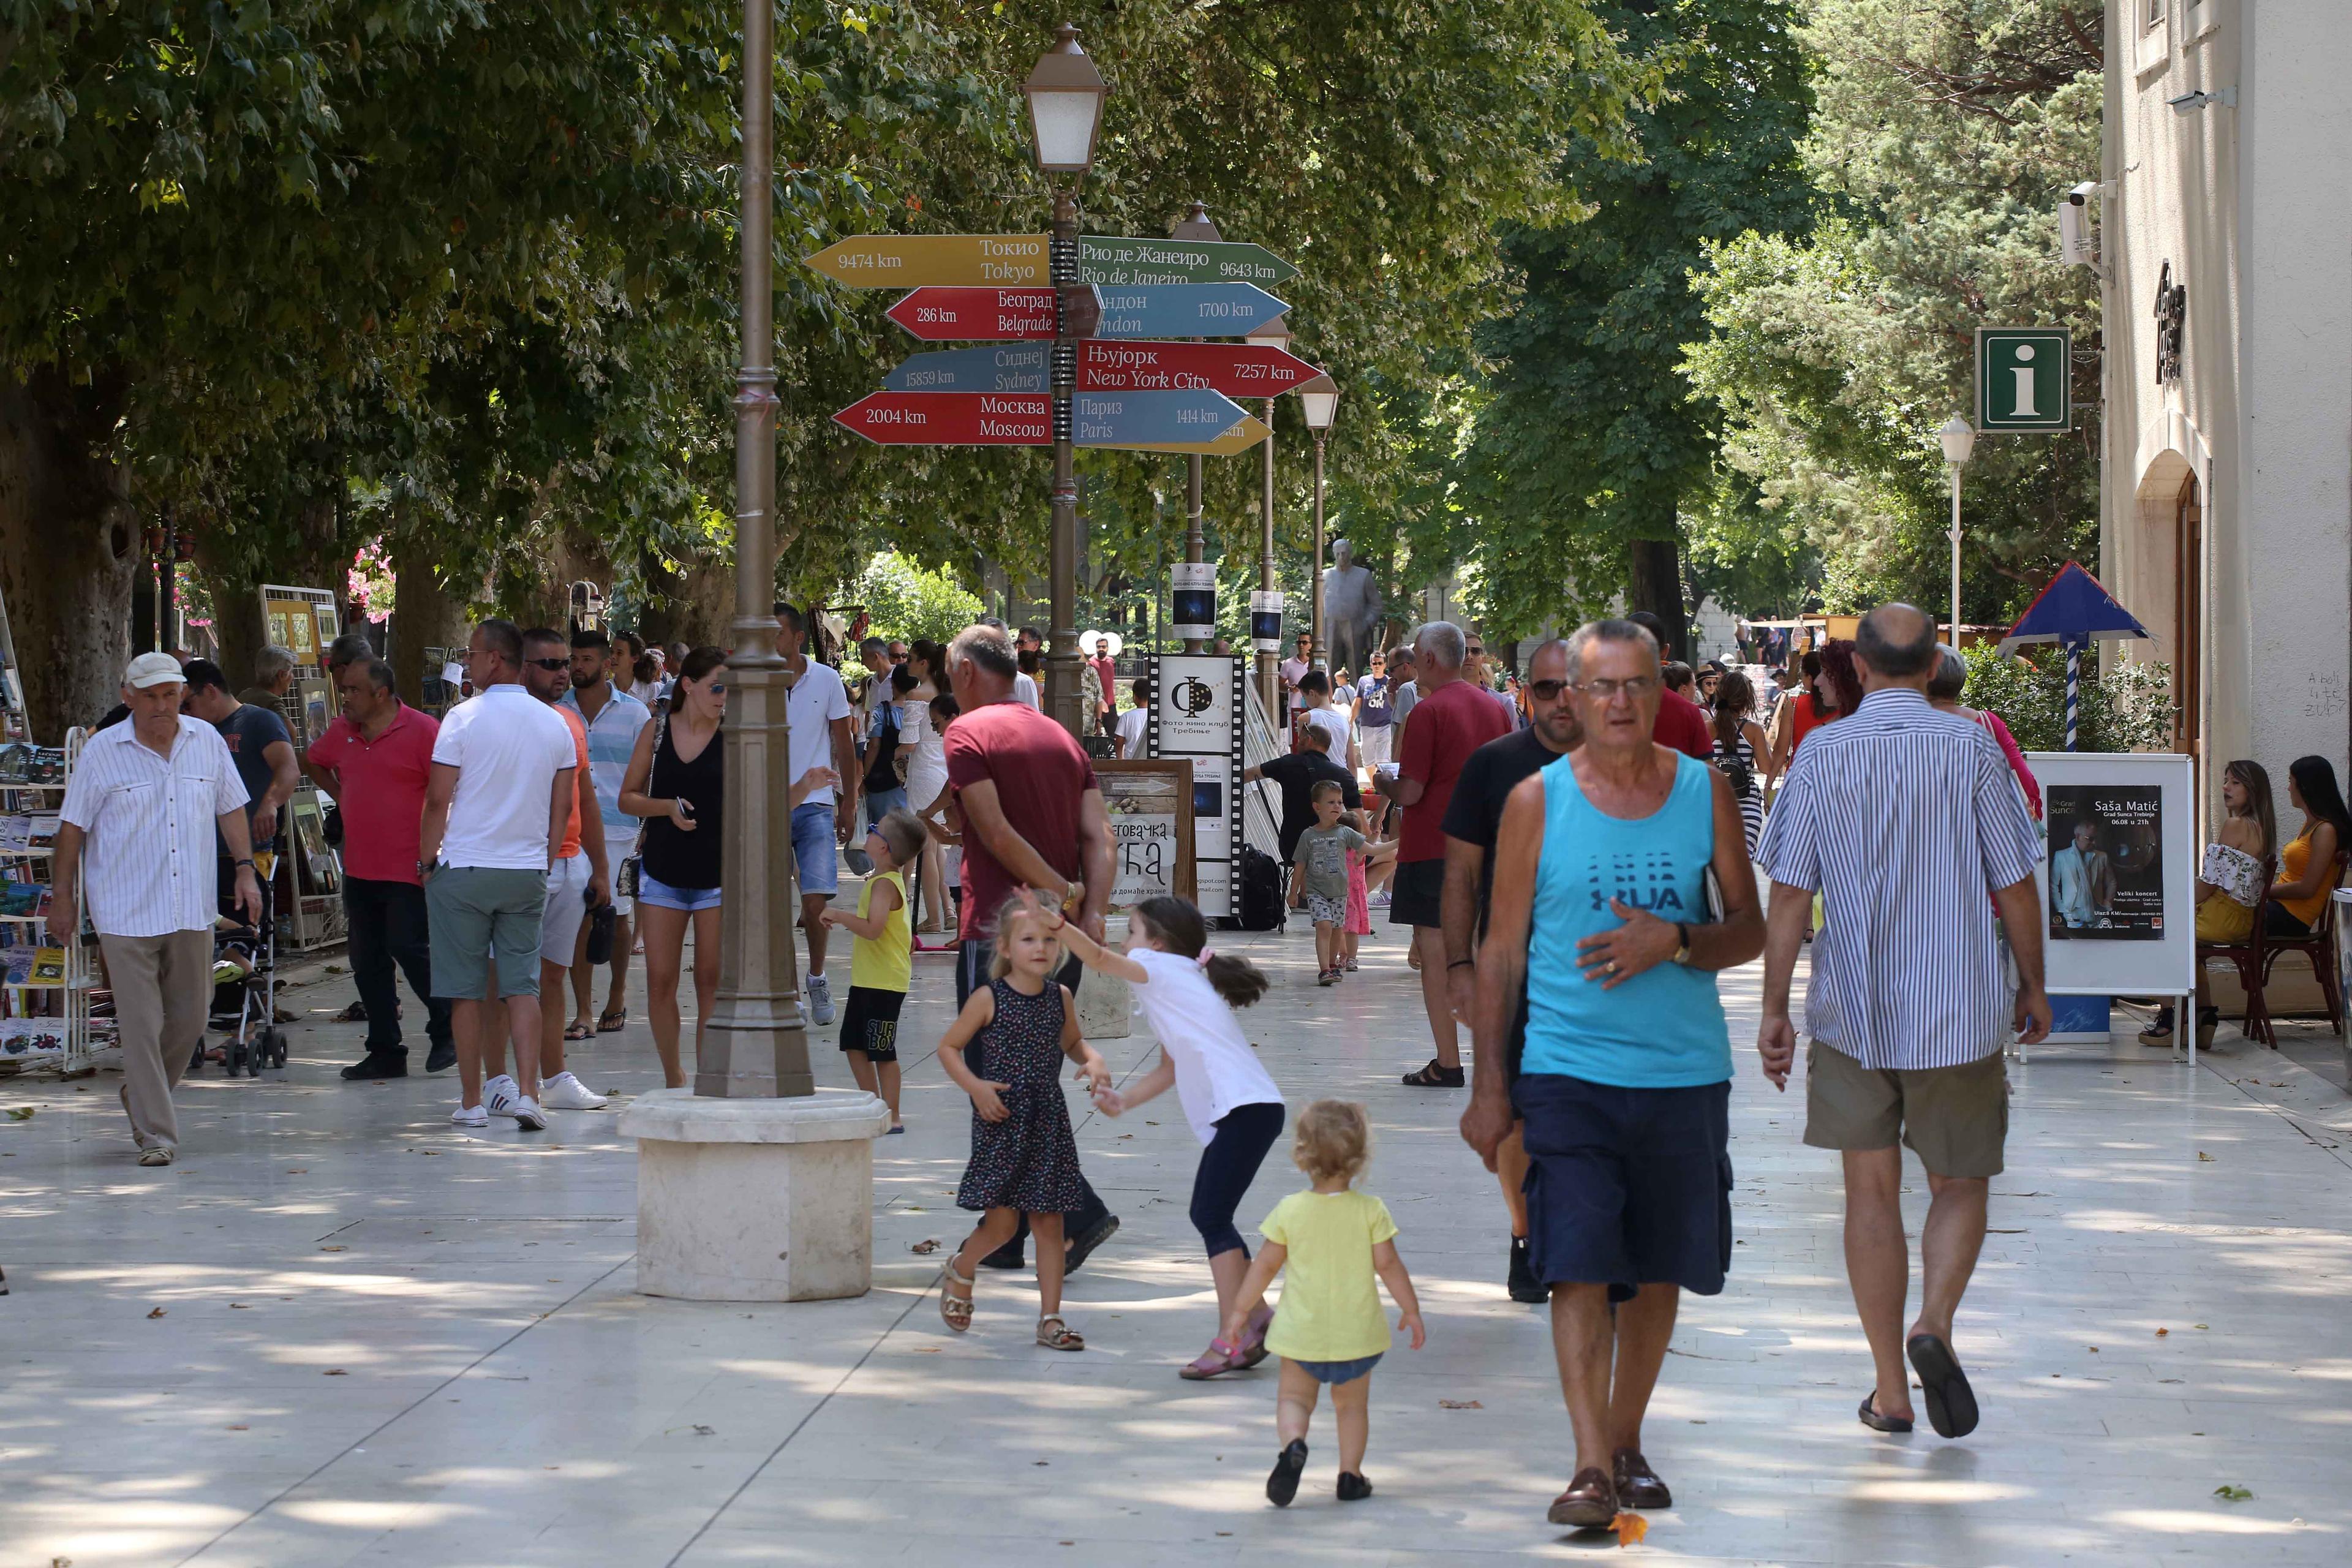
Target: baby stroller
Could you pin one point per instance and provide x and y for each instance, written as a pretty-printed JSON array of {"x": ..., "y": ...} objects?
[{"x": 245, "y": 988}]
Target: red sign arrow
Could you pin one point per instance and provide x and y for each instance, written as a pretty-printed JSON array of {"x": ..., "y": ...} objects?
[
  {"x": 1237, "y": 370},
  {"x": 952, "y": 418},
  {"x": 976, "y": 315}
]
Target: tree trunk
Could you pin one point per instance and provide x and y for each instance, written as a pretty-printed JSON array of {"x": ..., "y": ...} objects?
[
  {"x": 424, "y": 615},
  {"x": 1658, "y": 587},
  {"x": 315, "y": 560},
  {"x": 69, "y": 546}
]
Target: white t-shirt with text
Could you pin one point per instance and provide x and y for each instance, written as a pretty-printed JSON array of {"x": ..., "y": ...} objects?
[{"x": 507, "y": 747}]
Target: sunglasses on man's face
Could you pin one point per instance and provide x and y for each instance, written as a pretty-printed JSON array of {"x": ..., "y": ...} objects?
[
  {"x": 549, "y": 663},
  {"x": 1546, "y": 691}
]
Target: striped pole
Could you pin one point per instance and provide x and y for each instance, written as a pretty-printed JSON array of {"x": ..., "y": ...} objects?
[{"x": 2074, "y": 689}]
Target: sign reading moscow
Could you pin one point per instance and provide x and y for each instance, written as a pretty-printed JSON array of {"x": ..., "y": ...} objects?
[{"x": 951, "y": 419}]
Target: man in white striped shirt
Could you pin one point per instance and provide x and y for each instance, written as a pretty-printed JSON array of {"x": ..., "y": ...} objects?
[
  {"x": 145, "y": 799},
  {"x": 1904, "y": 818}
]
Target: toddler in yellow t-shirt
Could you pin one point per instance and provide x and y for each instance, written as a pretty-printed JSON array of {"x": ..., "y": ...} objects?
[{"x": 1328, "y": 1326}]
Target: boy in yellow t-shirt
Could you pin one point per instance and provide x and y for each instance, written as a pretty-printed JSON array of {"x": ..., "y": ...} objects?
[
  {"x": 1329, "y": 1327},
  {"x": 882, "y": 962}
]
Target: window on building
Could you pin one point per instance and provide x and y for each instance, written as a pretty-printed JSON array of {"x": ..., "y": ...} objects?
[
  {"x": 2153, "y": 44},
  {"x": 2151, "y": 13}
]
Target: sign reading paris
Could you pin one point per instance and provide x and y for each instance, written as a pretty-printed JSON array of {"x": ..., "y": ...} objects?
[{"x": 2024, "y": 379}]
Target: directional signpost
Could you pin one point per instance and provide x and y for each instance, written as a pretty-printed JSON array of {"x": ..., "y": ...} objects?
[
  {"x": 951, "y": 419},
  {"x": 1240, "y": 438},
  {"x": 994, "y": 367},
  {"x": 1237, "y": 370},
  {"x": 1134, "y": 418},
  {"x": 920, "y": 260},
  {"x": 1185, "y": 311},
  {"x": 1127, "y": 262},
  {"x": 976, "y": 315}
]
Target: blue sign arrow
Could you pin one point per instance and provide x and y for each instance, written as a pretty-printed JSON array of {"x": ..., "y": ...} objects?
[
  {"x": 993, "y": 367},
  {"x": 1185, "y": 311},
  {"x": 1149, "y": 418}
]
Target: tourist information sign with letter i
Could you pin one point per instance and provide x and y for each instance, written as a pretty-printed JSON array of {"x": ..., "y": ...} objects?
[
  {"x": 951, "y": 419},
  {"x": 1104, "y": 258},
  {"x": 977, "y": 315},
  {"x": 1185, "y": 311},
  {"x": 1237, "y": 370},
  {"x": 1138, "y": 418},
  {"x": 919, "y": 260},
  {"x": 992, "y": 367},
  {"x": 2024, "y": 379}
]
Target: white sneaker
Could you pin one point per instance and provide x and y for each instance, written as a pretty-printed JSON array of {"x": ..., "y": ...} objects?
[
  {"x": 501, "y": 1095},
  {"x": 566, "y": 1092},
  {"x": 470, "y": 1116},
  {"x": 529, "y": 1115},
  {"x": 820, "y": 993}
]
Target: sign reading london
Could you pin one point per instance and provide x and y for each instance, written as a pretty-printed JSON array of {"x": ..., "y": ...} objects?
[
  {"x": 1185, "y": 311},
  {"x": 2024, "y": 379}
]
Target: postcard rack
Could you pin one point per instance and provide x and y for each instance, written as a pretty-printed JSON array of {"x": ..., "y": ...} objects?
[{"x": 47, "y": 992}]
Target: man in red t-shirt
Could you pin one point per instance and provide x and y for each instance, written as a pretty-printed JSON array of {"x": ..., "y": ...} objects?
[
  {"x": 1032, "y": 815},
  {"x": 375, "y": 760},
  {"x": 1452, "y": 720},
  {"x": 1681, "y": 724}
]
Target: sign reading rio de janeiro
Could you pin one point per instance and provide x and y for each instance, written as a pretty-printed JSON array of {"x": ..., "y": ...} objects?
[{"x": 1017, "y": 261}]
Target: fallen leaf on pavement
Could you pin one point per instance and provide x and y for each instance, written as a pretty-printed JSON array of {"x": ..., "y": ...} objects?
[
  {"x": 2204, "y": 1156},
  {"x": 240, "y": 1429},
  {"x": 334, "y": 1372},
  {"x": 1459, "y": 1405},
  {"x": 156, "y": 1313},
  {"x": 2232, "y": 1494},
  {"x": 2161, "y": 1333},
  {"x": 334, "y": 1249},
  {"x": 238, "y": 1306},
  {"x": 1631, "y": 1529},
  {"x": 929, "y": 1244},
  {"x": 2196, "y": 1325},
  {"x": 926, "y": 1350},
  {"x": 22, "y": 1112}
]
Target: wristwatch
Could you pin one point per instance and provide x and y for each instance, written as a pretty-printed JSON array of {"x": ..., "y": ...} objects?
[
  {"x": 246, "y": 861},
  {"x": 1682, "y": 942}
]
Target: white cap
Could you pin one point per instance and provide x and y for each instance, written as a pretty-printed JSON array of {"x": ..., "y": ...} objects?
[{"x": 152, "y": 669}]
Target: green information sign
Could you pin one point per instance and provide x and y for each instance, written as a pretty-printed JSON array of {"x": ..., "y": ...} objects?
[{"x": 2023, "y": 379}]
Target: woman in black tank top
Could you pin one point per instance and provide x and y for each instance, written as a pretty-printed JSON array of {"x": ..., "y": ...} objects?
[{"x": 677, "y": 781}]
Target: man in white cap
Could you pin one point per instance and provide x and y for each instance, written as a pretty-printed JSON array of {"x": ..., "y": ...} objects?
[{"x": 143, "y": 805}]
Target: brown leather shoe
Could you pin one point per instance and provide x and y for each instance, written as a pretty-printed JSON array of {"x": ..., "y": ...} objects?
[
  {"x": 1589, "y": 1503},
  {"x": 1638, "y": 1486}
]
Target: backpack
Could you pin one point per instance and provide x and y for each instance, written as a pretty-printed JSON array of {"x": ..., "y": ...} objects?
[
  {"x": 1742, "y": 776},
  {"x": 1261, "y": 892}
]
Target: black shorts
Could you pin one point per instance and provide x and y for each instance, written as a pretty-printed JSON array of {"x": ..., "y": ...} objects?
[
  {"x": 1415, "y": 894},
  {"x": 870, "y": 1022},
  {"x": 1627, "y": 1187}
]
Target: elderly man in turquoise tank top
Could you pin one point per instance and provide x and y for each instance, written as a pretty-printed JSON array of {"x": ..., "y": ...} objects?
[{"x": 1602, "y": 904}]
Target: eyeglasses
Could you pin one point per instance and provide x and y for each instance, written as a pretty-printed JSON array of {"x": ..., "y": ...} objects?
[
  {"x": 549, "y": 663},
  {"x": 1545, "y": 690},
  {"x": 1641, "y": 686}
]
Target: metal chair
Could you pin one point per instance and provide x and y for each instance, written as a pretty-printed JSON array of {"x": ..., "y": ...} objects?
[{"x": 2250, "y": 959}]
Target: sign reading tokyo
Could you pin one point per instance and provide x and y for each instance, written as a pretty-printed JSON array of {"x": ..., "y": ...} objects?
[
  {"x": 2024, "y": 379},
  {"x": 1237, "y": 370},
  {"x": 919, "y": 260},
  {"x": 977, "y": 315},
  {"x": 1186, "y": 310},
  {"x": 950, "y": 420}
]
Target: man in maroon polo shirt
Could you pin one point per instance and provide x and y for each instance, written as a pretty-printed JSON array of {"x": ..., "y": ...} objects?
[
  {"x": 1682, "y": 724},
  {"x": 375, "y": 760}
]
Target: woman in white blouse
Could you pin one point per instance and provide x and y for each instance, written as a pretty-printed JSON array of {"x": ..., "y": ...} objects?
[{"x": 914, "y": 684}]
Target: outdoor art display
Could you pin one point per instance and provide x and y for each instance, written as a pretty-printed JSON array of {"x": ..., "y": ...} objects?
[{"x": 2105, "y": 863}]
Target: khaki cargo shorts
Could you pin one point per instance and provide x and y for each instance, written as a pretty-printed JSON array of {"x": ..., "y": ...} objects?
[{"x": 1955, "y": 1119}]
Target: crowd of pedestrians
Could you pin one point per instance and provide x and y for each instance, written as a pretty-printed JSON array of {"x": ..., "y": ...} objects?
[{"x": 1575, "y": 852}]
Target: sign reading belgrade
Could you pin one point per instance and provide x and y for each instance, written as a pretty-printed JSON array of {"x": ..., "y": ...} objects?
[
  {"x": 976, "y": 315},
  {"x": 2024, "y": 379},
  {"x": 920, "y": 260}
]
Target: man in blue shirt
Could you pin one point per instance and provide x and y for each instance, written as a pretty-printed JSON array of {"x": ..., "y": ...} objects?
[{"x": 612, "y": 719}]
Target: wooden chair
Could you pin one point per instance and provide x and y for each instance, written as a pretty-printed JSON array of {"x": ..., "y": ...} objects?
[
  {"x": 2319, "y": 947},
  {"x": 2251, "y": 960}
]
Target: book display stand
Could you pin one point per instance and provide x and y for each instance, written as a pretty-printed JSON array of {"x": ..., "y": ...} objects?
[{"x": 48, "y": 995}]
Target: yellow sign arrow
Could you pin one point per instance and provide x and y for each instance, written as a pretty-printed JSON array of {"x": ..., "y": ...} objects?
[
  {"x": 935, "y": 260},
  {"x": 1240, "y": 438}
]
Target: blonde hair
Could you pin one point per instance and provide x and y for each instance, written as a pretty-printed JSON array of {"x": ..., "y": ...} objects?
[
  {"x": 1010, "y": 909},
  {"x": 1334, "y": 1139},
  {"x": 902, "y": 830}
]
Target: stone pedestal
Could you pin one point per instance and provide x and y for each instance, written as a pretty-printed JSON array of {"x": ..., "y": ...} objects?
[
  {"x": 1107, "y": 1003},
  {"x": 755, "y": 1200}
]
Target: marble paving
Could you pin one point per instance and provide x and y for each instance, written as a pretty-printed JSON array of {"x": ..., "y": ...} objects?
[{"x": 342, "y": 1331}]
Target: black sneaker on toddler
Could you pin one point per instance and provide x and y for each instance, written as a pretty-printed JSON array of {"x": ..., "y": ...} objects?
[
  {"x": 1353, "y": 1488},
  {"x": 1283, "y": 1484}
]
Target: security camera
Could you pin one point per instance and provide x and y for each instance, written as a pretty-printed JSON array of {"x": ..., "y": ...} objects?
[{"x": 2190, "y": 102}]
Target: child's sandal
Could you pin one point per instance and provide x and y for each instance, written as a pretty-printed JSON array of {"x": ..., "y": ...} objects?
[
  {"x": 956, "y": 1310},
  {"x": 1058, "y": 1335}
]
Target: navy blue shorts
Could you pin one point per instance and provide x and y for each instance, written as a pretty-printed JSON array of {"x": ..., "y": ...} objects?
[
  {"x": 1338, "y": 1371},
  {"x": 1627, "y": 1187}
]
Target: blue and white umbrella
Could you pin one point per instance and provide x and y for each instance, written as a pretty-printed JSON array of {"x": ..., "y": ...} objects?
[{"x": 2073, "y": 609}]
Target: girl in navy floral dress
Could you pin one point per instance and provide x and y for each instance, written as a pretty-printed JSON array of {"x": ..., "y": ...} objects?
[{"x": 1024, "y": 1157}]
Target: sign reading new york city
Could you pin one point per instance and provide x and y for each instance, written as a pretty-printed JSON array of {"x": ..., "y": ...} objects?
[{"x": 1136, "y": 389}]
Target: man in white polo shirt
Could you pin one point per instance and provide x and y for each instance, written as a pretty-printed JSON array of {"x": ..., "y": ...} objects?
[
  {"x": 496, "y": 814},
  {"x": 144, "y": 801}
]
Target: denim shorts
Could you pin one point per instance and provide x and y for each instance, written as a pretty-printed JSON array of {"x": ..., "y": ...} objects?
[
  {"x": 814, "y": 865},
  {"x": 653, "y": 893},
  {"x": 1338, "y": 1371}
]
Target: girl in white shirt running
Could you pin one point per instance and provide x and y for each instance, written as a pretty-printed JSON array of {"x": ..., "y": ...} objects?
[{"x": 1187, "y": 994}]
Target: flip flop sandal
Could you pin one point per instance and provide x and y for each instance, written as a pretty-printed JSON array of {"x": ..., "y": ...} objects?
[
  {"x": 955, "y": 1310},
  {"x": 612, "y": 1023},
  {"x": 1874, "y": 1421},
  {"x": 1060, "y": 1336},
  {"x": 1951, "y": 1403},
  {"x": 577, "y": 1032}
]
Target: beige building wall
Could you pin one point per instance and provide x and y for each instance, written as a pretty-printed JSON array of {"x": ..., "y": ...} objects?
[{"x": 2251, "y": 205}]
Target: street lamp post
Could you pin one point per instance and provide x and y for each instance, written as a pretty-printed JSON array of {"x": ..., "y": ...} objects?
[
  {"x": 754, "y": 1045},
  {"x": 1959, "y": 439},
  {"x": 1065, "y": 96},
  {"x": 1197, "y": 224},
  {"x": 1274, "y": 335},
  {"x": 1318, "y": 400}
]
